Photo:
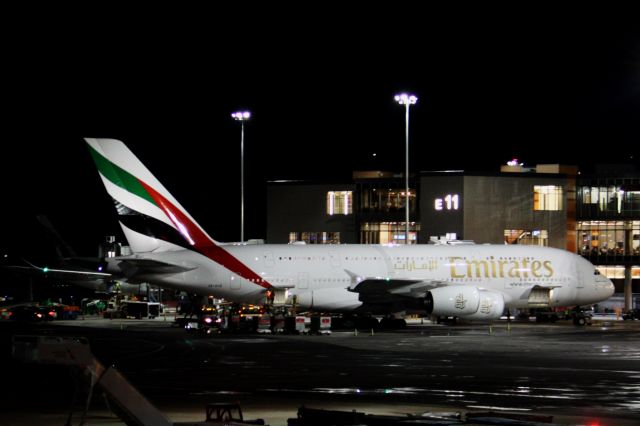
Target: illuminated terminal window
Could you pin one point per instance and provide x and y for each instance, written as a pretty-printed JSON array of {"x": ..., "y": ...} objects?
[
  {"x": 315, "y": 237},
  {"x": 612, "y": 199},
  {"x": 386, "y": 199},
  {"x": 617, "y": 272},
  {"x": 535, "y": 237},
  {"x": 609, "y": 238},
  {"x": 388, "y": 232},
  {"x": 339, "y": 202},
  {"x": 547, "y": 197}
]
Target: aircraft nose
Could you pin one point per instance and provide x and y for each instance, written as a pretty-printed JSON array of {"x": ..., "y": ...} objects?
[
  {"x": 605, "y": 288},
  {"x": 610, "y": 288}
]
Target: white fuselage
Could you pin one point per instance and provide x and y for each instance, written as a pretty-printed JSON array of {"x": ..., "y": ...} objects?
[{"x": 323, "y": 274}]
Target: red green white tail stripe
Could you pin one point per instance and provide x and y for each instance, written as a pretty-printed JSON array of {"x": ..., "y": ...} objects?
[
  {"x": 131, "y": 185},
  {"x": 151, "y": 218}
]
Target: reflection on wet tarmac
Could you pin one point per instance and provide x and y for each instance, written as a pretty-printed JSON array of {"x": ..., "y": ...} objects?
[
  {"x": 497, "y": 408},
  {"x": 560, "y": 370},
  {"x": 627, "y": 397}
]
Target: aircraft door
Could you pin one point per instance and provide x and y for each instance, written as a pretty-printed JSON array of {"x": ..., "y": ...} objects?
[
  {"x": 335, "y": 259},
  {"x": 574, "y": 289},
  {"x": 579, "y": 273},
  {"x": 303, "y": 280},
  {"x": 269, "y": 261}
]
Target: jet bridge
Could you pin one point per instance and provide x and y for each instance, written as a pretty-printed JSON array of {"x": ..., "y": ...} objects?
[{"x": 134, "y": 408}]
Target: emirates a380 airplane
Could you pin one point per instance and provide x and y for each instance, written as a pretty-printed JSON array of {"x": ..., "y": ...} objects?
[{"x": 467, "y": 281}]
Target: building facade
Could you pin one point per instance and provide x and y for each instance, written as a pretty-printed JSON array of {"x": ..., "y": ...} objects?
[
  {"x": 608, "y": 227},
  {"x": 316, "y": 213},
  {"x": 505, "y": 208},
  {"x": 549, "y": 205}
]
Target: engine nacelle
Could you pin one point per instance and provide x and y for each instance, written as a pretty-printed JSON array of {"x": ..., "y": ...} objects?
[
  {"x": 328, "y": 299},
  {"x": 464, "y": 302}
]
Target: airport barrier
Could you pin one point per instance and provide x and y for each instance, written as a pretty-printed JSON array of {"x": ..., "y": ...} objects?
[
  {"x": 320, "y": 325},
  {"x": 264, "y": 324}
]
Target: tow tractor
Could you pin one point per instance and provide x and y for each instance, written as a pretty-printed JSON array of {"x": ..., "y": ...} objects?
[
  {"x": 207, "y": 322},
  {"x": 579, "y": 315},
  {"x": 632, "y": 314}
]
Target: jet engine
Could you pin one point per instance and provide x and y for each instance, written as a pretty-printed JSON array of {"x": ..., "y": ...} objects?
[
  {"x": 465, "y": 302},
  {"x": 328, "y": 299}
]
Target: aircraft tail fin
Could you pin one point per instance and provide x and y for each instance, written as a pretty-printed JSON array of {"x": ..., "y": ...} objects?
[{"x": 150, "y": 217}]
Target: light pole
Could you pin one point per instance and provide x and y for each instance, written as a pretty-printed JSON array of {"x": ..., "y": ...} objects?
[
  {"x": 241, "y": 116},
  {"x": 406, "y": 100}
]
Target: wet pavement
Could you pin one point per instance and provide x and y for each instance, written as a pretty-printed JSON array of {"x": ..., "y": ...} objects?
[{"x": 579, "y": 375}]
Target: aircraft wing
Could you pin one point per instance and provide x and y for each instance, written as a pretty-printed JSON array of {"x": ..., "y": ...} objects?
[
  {"x": 409, "y": 288},
  {"x": 382, "y": 288}
]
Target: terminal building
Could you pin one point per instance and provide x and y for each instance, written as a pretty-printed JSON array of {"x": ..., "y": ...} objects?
[
  {"x": 550, "y": 205},
  {"x": 608, "y": 226}
]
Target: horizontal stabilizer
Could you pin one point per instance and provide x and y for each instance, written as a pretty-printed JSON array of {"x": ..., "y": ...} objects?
[{"x": 131, "y": 267}]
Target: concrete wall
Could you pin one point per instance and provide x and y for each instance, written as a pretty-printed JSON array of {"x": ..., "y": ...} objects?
[
  {"x": 496, "y": 203},
  {"x": 302, "y": 207},
  {"x": 486, "y": 207}
]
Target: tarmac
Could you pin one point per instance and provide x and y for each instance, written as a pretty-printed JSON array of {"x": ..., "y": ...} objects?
[{"x": 579, "y": 375}]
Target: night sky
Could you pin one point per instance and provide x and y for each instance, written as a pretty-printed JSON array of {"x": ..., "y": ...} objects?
[{"x": 321, "y": 94}]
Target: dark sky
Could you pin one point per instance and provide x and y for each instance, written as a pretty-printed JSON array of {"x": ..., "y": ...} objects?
[{"x": 320, "y": 87}]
